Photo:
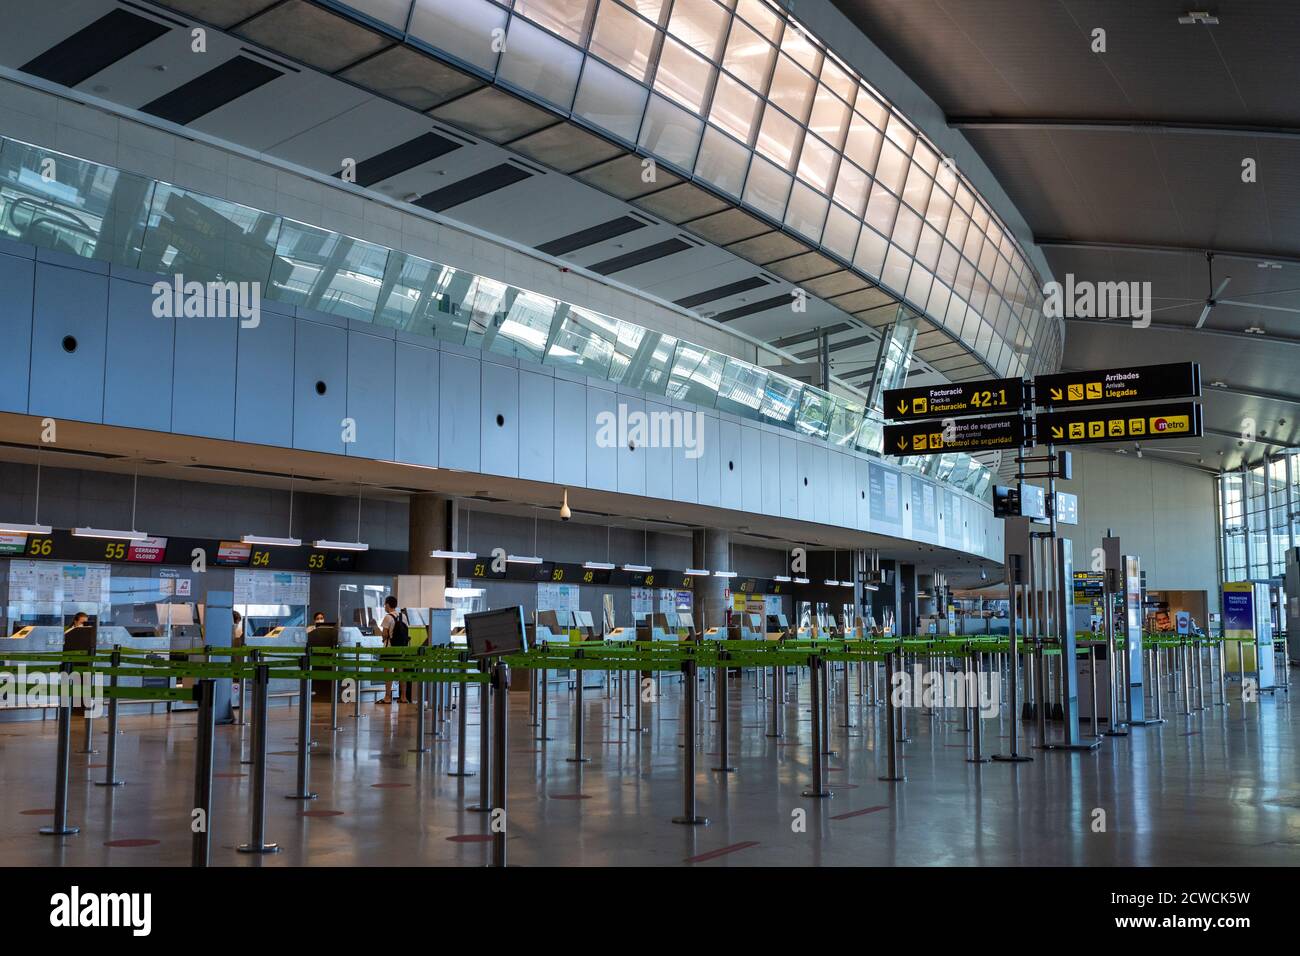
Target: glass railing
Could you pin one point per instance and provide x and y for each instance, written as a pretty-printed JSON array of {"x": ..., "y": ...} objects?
[{"x": 55, "y": 201}]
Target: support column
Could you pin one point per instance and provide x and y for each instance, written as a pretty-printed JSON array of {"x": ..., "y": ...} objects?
[
  {"x": 431, "y": 527},
  {"x": 711, "y": 549}
]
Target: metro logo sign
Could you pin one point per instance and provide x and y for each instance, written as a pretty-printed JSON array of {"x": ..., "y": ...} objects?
[{"x": 1179, "y": 423}]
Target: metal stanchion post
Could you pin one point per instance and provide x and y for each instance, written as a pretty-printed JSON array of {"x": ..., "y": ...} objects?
[
  {"x": 689, "y": 694},
  {"x": 546, "y": 706},
  {"x": 257, "y": 842},
  {"x": 201, "y": 839},
  {"x": 110, "y": 768},
  {"x": 461, "y": 720},
  {"x": 356, "y": 691},
  {"x": 848, "y": 722},
  {"x": 484, "y": 804},
  {"x": 1013, "y": 684},
  {"x": 60, "y": 826},
  {"x": 825, "y": 708},
  {"x": 304, "y": 734},
  {"x": 335, "y": 687},
  {"x": 421, "y": 698},
  {"x": 891, "y": 743},
  {"x": 976, "y": 721},
  {"x": 532, "y": 696},
  {"x": 816, "y": 689},
  {"x": 724, "y": 716},
  {"x": 578, "y": 720},
  {"x": 773, "y": 706},
  {"x": 254, "y": 658},
  {"x": 1040, "y": 695},
  {"x": 1092, "y": 684},
  {"x": 499, "y": 821}
]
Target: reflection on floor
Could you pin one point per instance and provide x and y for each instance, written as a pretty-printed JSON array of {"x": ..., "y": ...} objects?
[{"x": 1218, "y": 787}]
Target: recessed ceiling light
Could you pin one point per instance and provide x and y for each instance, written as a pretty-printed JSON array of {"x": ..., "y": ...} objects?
[{"x": 1199, "y": 16}]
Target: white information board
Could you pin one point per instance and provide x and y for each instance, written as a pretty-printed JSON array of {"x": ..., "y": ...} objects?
[
  {"x": 292, "y": 588},
  {"x": 44, "y": 587},
  {"x": 557, "y": 597}
]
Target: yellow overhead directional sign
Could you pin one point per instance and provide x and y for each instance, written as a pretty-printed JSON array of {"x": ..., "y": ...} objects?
[
  {"x": 966, "y": 435},
  {"x": 955, "y": 399},
  {"x": 1147, "y": 422}
]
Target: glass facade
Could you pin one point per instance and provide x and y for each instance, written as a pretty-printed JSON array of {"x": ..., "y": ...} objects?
[
  {"x": 54, "y": 201},
  {"x": 1258, "y": 512},
  {"x": 739, "y": 95}
]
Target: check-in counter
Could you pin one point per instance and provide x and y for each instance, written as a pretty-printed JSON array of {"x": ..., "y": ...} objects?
[{"x": 50, "y": 638}]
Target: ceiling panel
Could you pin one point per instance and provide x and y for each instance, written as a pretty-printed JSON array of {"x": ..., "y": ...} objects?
[
  {"x": 312, "y": 35},
  {"x": 411, "y": 78}
]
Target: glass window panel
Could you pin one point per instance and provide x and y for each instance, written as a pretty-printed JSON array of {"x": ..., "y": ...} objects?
[
  {"x": 863, "y": 143},
  {"x": 781, "y": 399},
  {"x": 749, "y": 57},
  {"x": 817, "y": 164},
  {"x": 949, "y": 259},
  {"x": 871, "y": 251},
  {"x": 652, "y": 10},
  {"x": 974, "y": 239},
  {"x": 841, "y": 233},
  {"x": 907, "y": 230},
  {"x": 199, "y": 237},
  {"x": 946, "y": 176},
  {"x": 778, "y": 137},
  {"x": 735, "y": 108},
  {"x": 565, "y": 17},
  {"x": 897, "y": 265},
  {"x": 327, "y": 272},
  {"x": 917, "y": 191},
  {"x": 671, "y": 133},
  {"x": 763, "y": 18},
  {"x": 957, "y": 225},
  {"x": 871, "y": 436},
  {"x": 696, "y": 375},
  {"x": 979, "y": 217},
  {"x": 483, "y": 308},
  {"x": 925, "y": 157},
  {"x": 742, "y": 389},
  {"x": 524, "y": 327},
  {"x": 767, "y": 188},
  {"x": 584, "y": 341},
  {"x": 642, "y": 358},
  {"x": 999, "y": 276},
  {"x": 965, "y": 199},
  {"x": 939, "y": 296},
  {"x": 830, "y": 117},
  {"x": 536, "y": 61},
  {"x": 792, "y": 88},
  {"x": 928, "y": 249},
  {"x": 814, "y": 413},
  {"x": 882, "y": 208},
  {"x": 683, "y": 76},
  {"x": 988, "y": 258},
  {"x": 965, "y": 281},
  {"x": 461, "y": 27},
  {"x": 846, "y": 417},
  {"x": 700, "y": 24},
  {"x": 83, "y": 209},
  {"x": 918, "y": 286},
  {"x": 955, "y": 315},
  {"x": 938, "y": 211},
  {"x": 900, "y": 133},
  {"x": 892, "y": 168},
  {"x": 870, "y": 106},
  {"x": 723, "y": 162},
  {"x": 798, "y": 44},
  {"x": 424, "y": 297},
  {"x": 609, "y": 99},
  {"x": 807, "y": 212},
  {"x": 851, "y": 188},
  {"x": 839, "y": 79},
  {"x": 625, "y": 40}
]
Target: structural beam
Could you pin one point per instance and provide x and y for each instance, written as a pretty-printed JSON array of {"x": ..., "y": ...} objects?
[
  {"x": 1095, "y": 125},
  {"x": 1061, "y": 242},
  {"x": 1191, "y": 330}
]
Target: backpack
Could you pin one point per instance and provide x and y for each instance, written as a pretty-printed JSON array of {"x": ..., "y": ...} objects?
[{"x": 401, "y": 636}]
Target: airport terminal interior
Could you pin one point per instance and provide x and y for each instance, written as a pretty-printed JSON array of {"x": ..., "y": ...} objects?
[{"x": 693, "y": 433}]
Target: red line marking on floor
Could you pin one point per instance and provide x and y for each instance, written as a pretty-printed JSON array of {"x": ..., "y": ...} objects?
[
  {"x": 714, "y": 854},
  {"x": 284, "y": 753},
  {"x": 95, "y": 766},
  {"x": 320, "y": 813},
  {"x": 389, "y": 786},
  {"x": 470, "y": 838},
  {"x": 228, "y": 775},
  {"x": 37, "y": 813},
  {"x": 841, "y": 786},
  {"x": 569, "y": 796},
  {"x": 129, "y": 843},
  {"x": 857, "y": 813}
]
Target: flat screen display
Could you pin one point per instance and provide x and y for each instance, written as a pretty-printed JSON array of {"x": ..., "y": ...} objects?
[{"x": 494, "y": 633}]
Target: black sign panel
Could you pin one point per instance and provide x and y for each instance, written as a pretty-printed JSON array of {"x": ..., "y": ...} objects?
[
  {"x": 1105, "y": 386},
  {"x": 938, "y": 438},
  {"x": 955, "y": 399},
  {"x": 1135, "y": 423}
]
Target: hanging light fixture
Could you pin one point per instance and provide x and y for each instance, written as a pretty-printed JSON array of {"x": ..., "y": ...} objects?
[
  {"x": 274, "y": 542},
  {"x": 645, "y": 556},
  {"x": 526, "y": 558},
  {"x": 358, "y": 545},
  {"x": 132, "y": 535},
  {"x": 17, "y": 527},
  {"x": 605, "y": 565},
  {"x": 456, "y": 555}
]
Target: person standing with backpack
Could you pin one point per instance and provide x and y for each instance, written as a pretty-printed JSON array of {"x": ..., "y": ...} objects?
[{"x": 396, "y": 633}]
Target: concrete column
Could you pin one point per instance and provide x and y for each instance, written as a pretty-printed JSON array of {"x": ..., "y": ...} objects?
[
  {"x": 711, "y": 549},
  {"x": 431, "y": 527}
]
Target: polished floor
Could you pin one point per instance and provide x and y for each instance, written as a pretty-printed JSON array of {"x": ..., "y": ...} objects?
[{"x": 1214, "y": 788}]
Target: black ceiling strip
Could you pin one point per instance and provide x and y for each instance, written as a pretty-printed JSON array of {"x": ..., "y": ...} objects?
[
  {"x": 154, "y": 13},
  {"x": 472, "y": 187},
  {"x": 281, "y": 64},
  {"x": 811, "y": 334},
  {"x": 721, "y": 292},
  {"x": 402, "y": 157},
  {"x": 113, "y": 36},
  {"x": 753, "y": 307},
  {"x": 641, "y": 256},
  {"x": 215, "y": 88},
  {"x": 591, "y": 236}
]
